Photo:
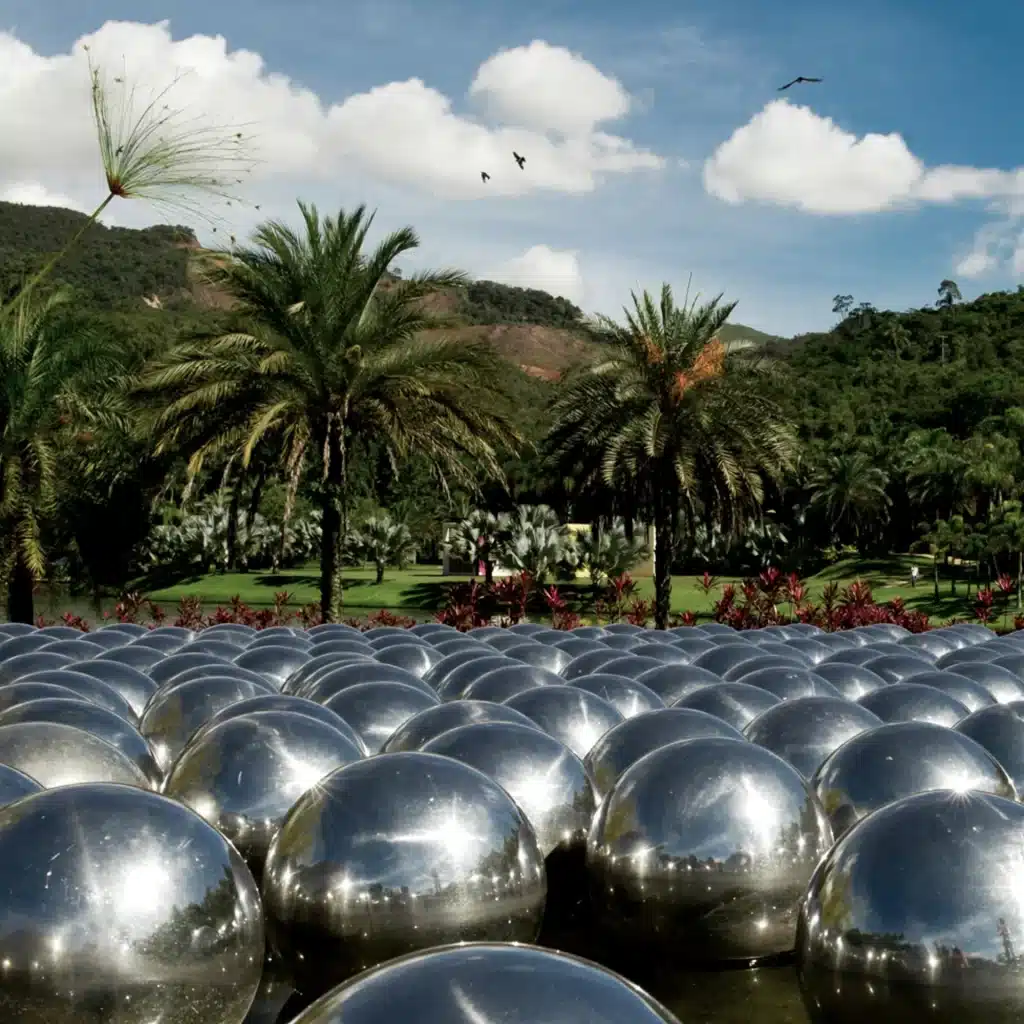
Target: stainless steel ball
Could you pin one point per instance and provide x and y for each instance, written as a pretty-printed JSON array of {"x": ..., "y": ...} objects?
[
  {"x": 916, "y": 914},
  {"x": 14, "y": 785},
  {"x": 727, "y": 656},
  {"x": 376, "y": 711},
  {"x": 88, "y": 688},
  {"x": 574, "y": 717},
  {"x": 964, "y": 689},
  {"x": 395, "y": 854},
  {"x": 673, "y": 682},
  {"x": 275, "y": 662},
  {"x": 703, "y": 850},
  {"x": 134, "y": 655},
  {"x": 592, "y": 661},
  {"x": 22, "y": 665},
  {"x": 902, "y": 759},
  {"x": 55, "y": 754},
  {"x": 541, "y": 655},
  {"x": 175, "y": 713},
  {"x": 127, "y": 909},
  {"x": 806, "y": 730},
  {"x": 432, "y": 722},
  {"x": 325, "y": 685},
  {"x": 790, "y": 683},
  {"x": 735, "y": 703},
  {"x": 913, "y": 702},
  {"x": 547, "y": 781},
  {"x": 134, "y": 686},
  {"x": 417, "y": 658},
  {"x": 1000, "y": 730},
  {"x": 488, "y": 982},
  {"x": 900, "y": 668},
  {"x": 165, "y": 670},
  {"x": 623, "y": 746},
  {"x": 628, "y": 696},
  {"x": 18, "y": 693},
  {"x": 100, "y": 722},
  {"x": 506, "y": 681},
  {"x": 852, "y": 681},
  {"x": 997, "y": 679},
  {"x": 244, "y": 775}
]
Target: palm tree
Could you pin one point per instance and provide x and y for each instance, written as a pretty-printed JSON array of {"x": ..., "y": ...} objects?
[
  {"x": 383, "y": 542},
  {"x": 45, "y": 351},
  {"x": 678, "y": 416},
  {"x": 330, "y": 355},
  {"x": 850, "y": 490}
]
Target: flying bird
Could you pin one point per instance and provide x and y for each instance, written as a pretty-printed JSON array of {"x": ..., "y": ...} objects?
[
  {"x": 519, "y": 159},
  {"x": 798, "y": 81},
  {"x": 485, "y": 177}
]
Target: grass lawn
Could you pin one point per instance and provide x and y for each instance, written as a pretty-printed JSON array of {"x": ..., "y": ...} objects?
[{"x": 420, "y": 590}]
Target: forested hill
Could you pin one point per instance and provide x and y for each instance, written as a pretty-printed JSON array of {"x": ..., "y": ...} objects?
[{"x": 126, "y": 270}]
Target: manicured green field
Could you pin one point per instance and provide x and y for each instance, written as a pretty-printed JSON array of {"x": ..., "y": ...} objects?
[{"x": 420, "y": 590}]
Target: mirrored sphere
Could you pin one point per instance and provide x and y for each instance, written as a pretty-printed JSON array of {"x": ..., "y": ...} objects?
[
  {"x": 87, "y": 688},
  {"x": 55, "y": 754},
  {"x": 912, "y": 702},
  {"x": 901, "y": 759},
  {"x": 969, "y": 693},
  {"x": 14, "y": 785},
  {"x": 804, "y": 731},
  {"x": 459, "y": 678},
  {"x": 547, "y": 781},
  {"x": 434, "y": 721},
  {"x": 133, "y": 685},
  {"x": 592, "y": 661},
  {"x": 852, "y": 681},
  {"x": 477, "y": 982},
  {"x": 628, "y": 696},
  {"x": 703, "y": 850},
  {"x": 376, "y": 711},
  {"x": 997, "y": 679},
  {"x": 417, "y": 658},
  {"x": 330, "y": 682},
  {"x": 735, "y": 703},
  {"x": 1000, "y": 730},
  {"x": 938, "y": 946},
  {"x": 790, "y": 683},
  {"x": 164, "y": 671},
  {"x": 899, "y": 668},
  {"x": 244, "y": 774},
  {"x": 22, "y": 665},
  {"x": 157, "y": 918},
  {"x": 673, "y": 682},
  {"x": 273, "y": 661},
  {"x": 22, "y": 644},
  {"x": 394, "y": 854},
  {"x": 624, "y": 745},
  {"x": 174, "y": 714},
  {"x": 574, "y": 717},
  {"x": 542, "y": 656},
  {"x": 135, "y": 656},
  {"x": 18, "y": 693},
  {"x": 93, "y": 719}
]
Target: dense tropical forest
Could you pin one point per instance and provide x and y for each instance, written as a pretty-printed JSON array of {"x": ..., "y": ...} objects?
[{"x": 165, "y": 409}]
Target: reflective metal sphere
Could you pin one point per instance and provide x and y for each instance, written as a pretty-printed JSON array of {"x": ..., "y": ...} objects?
[
  {"x": 542, "y": 656},
  {"x": 623, "y": 746},
  {"x": 477, "y": 982},
  {"x": 135, "y": 656},
  {"x": 735, "y": 703},
  {"x": 326, "y": 684},
  {"x": 631, "y": 665},
  {"x": 941, "y": 944},
  {"x": 804, "y": 731},
  {"x": 92, "y": 718},
  {"x": 1000, "y": 730},
  {"x": 911, "y": 702},
  {"x": 134, "y": 686},
  {"x": 23, "y": 643},
  {"x": 574, "y": 717},
  {"x": 174, "y": 664},
  {"x": 87, "y": 688},
  {"x": 417, "y": 658},
  {"x": 547, "y": 781},
  {"x": 511, "y": 679},
  {"x": 62, "y": 755},
  {"x": 673, "y": 682},
  {"x": 376, "y": 711},
  {"x": 174, "y": 714},
  {"x": 14, "y": 785},
  {"x": 998, "y": 680},
  {"x": 852, "y": 681},
  {"x": 22, "y": 665},
  {"x": 219, "y": 648},
  {"x": 395, "y": 854},
  {"x": 703, "y": 850},
  {"x": 933, "y": 644},
  {"x": 221, "y": 670},
  {"x": 18, "y": 693},
  {"x": 283, "y": 702},
  {"x": 901, "y": 759},
  {"x": 899, "y": 668},
  {"x": 728, "y": 656},
  {"x": 628, "y": 696},
  {"x": 592, "y": 661},
  {"x": 444, "y": 668},
  {"x": 662, "y": 652},
  {"x": 244, "y": 774},
  {"x": 432, "y": 722},
  {"x": 273, "y": 661},
  {"x": 76, "y": 649},
  {"x": 790, "y": 683},
  {"x": 964, "y": 689},
  {"x": 129, "y": 908}
]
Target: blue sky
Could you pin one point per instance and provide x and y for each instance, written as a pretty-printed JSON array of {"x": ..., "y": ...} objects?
[{"x": 942, "y": 75}]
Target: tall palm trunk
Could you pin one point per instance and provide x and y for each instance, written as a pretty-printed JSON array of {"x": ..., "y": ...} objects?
[
  {"x": 231, "y": 555},
  {"x": 663, "y": 538},
  {"x": 331, "y": 524},
  {"x": 20, "y": 585}
]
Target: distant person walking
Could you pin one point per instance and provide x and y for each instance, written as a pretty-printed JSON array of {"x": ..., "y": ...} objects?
[{"x": 913, "y": 575}]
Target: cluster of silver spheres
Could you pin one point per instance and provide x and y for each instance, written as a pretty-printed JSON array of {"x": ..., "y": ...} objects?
[{"x": 397, "y": 816}]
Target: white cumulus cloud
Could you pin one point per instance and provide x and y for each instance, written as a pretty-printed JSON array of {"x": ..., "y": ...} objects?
[
  {"x": 547, "y": 104},
  {"x": 31, "y": 193},
  {"x": 790, "y": 156},
  {"x": 550, "y": 270}
]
